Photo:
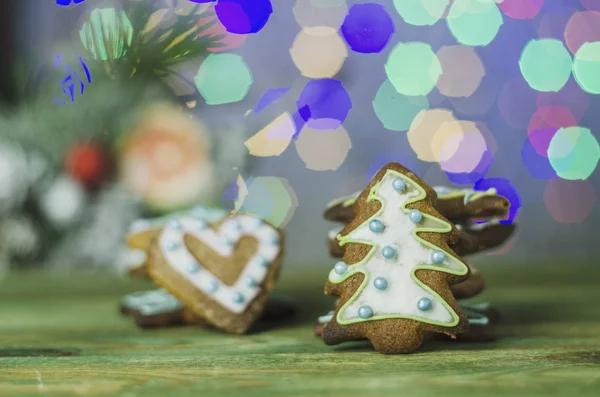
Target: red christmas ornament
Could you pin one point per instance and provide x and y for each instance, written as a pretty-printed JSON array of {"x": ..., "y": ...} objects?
[{"x": 88, "y": 163}]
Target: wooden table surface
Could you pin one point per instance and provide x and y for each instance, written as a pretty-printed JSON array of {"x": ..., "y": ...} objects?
[{"x": 63, "y": 336}]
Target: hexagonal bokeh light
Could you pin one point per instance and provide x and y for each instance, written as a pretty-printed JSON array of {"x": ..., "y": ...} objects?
[
  {"x": 462, "y": 70},
  {"x": 324, "y": 104},
  {"x": 413, "y": 68},
  {"x": 243, "y": 16},
  {"x": 368, "y": 28},
  {"x": 323, "y": 150},
  {"x": 569, "y": 201},
  {"x": 274, "y": 138},
  {"x": 223, "y": 78},
  {"x": 424, "y": 129},
  {"x": 421, "y": 12},
  {"x": 271, "y": 198},
  {"x": 521, "y": 9},
  {"x": 474, "y": 23},
  {"x": 396, "y": 111},
  {"x": 318, "y": 52},
  {"x": 546, "y": 64},
  {"x": 538, "y": 165},
  {"x": 586, "y": 67},
  {"x": 583, "y": 27},
  {"x": 574, "y": 153},
  {"x": 308, "y": 14}
]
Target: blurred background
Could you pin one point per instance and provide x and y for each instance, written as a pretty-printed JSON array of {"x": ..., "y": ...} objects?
[{"x": 113, "y": 111}]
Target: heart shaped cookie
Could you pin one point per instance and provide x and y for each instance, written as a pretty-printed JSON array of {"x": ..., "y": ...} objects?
[{"x": 223, "y": 272}]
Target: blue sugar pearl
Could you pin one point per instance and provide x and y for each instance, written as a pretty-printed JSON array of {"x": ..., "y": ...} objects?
[
  {"x": 251, "y": 282},
  {"x": 238, "y": 298},
  {"x": 340, "y": 268},
  {"x": 212, "y": 286},
  {"x": 262, "y": 262},
  {"x": 424, "y": 304},
  {"x": 399, "y": 185},
  {"x": 193, "y": 268},
  {"x": 365, "y": 312},
  {"x": 172, "y": 246},
  {"x": 388, "y": 252},
  {"x": 376, "y": 226},
  {"x": 415, "y": 216},
  {"x": 380, "y": 283},
  {"x": 438, "y": 256}
]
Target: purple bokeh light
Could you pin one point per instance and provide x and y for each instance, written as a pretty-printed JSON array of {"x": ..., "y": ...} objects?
[
  {"x": 243, "y": 16},
  {"x": 270, "y": 96},
  {"x": 324, "y": 104},
  {"x": 367, "y": 28},
  {"x": 506, "y": 189}
]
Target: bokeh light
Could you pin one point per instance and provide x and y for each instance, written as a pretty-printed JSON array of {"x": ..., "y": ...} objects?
[
  {"x": 396, "y": 111},
  {"x": 569, "y": 201},
  {"x": 462, "y": 71},
  {"x": 243, "y": 16},
  {"x": 221, "y": 39},
  {"x": 367, "y": 28},
  {"x": 324, "y": 104},
  {"x": 538, "y": 165},
  {"x": 269, "y": 97},
  {"x": 592, "y": 5},
  {"x": 552, "y": 23},
  {"x": 570, "y": 97},
  {"x": 421, "y": 12},
  {"x": 413, "y": 68},
  {"x": 223, "y": 78},
  {"x": 384, "y": 158},
  {"x": 327, "y": 3},
  {"x": 271, "y": 198},
  {"x": 540, "y": 140},
  {"x": 318, "y": 52},
  {"x": 553, "y": 117},
  {"x": 504, "y": 188},
  {"x": 583, "y": 27},
  {"x": 308, "y": 14},
  {"x": 521, "y": 9},
  {"x": 546, "y": 64},
  {"x": 586, "y": 67},
  {"x": 273, "y": 139},
  {"x": 474, "y": 23},
  {"x": 424, "y": 128},
  {"x": 323, "y": 150},
  {"x": 574, "y": 153},
  {"x": 517, "y": 102},
  {"x": 481, "y": 101}
]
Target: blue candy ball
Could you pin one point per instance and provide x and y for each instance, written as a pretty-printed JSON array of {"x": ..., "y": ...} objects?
[
  {"x": 415, "y": 216},
  {"x": 399, "y": 185},
  {"x": 340, "y": 268},
  {"x": 251, "y": 282},
  {"x": 380, "y": 283},
  {"x": 424, "y": 304},
  {"x": 193, "y": 268},
  {"x": 438, "y": 256},
  {"x": 212, "y": 286},
  {"x": 238, "y": 297},
  {"x": 365, "y": 312},
  {"x": 376, "y": 226},
  {"x": 388, "y": 252}
]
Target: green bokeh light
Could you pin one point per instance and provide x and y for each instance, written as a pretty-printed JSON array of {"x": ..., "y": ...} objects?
[
  {"x": 421, "y": 12},
  {"x": 586, "y": 67},
  {"x": 413, "y": 68},
  {"x": 107, "y": 34},
  {"x": 574, "y": 153},
  {"x": 271, "y": 198},
  {"x": 396, "y": 111},
  {"x": 474, "y": 23},
  {"x": 223, "y": 78},
  {"x": 546, "y": 64}
]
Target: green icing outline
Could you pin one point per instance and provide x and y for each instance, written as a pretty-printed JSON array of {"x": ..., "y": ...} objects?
[
  {"x": 345, "y": 201},
  {"x": 343, "y": 240}
]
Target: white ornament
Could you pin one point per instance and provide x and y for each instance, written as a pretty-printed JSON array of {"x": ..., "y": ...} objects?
[{"x": 63, "y": 202}]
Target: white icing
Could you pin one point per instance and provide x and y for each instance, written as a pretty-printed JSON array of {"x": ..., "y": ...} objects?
[
  {"x": 152, "y": 302},
  {"x": 132, "y": 258},
  {"x": 332, "y": 234},
  {"x": 399, "y": 299},
  {"x": 326, "y": 318},
  {"x": 223, "y": 242},
  {"x": 211, "y": 215},
  {"x": 480, "y": 226}
]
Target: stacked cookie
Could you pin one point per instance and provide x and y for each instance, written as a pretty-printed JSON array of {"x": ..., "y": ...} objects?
[
  {"x": 402, "y": 270},
  {"x": 215, "y": 269}
]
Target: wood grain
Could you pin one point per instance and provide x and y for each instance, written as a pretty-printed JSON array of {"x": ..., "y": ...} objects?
[{"x": 65, "y": 337}]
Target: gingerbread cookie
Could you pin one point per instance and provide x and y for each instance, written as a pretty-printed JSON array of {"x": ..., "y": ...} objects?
[
  {"x": 142, "y": 231},
  {"x": 394, "y": 278},
  {"x": 222, "y": 272},
  {"x": 457, "y": 205}
]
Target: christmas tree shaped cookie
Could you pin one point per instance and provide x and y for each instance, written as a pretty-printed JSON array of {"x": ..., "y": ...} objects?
[{"x": 394, "y": 278}]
